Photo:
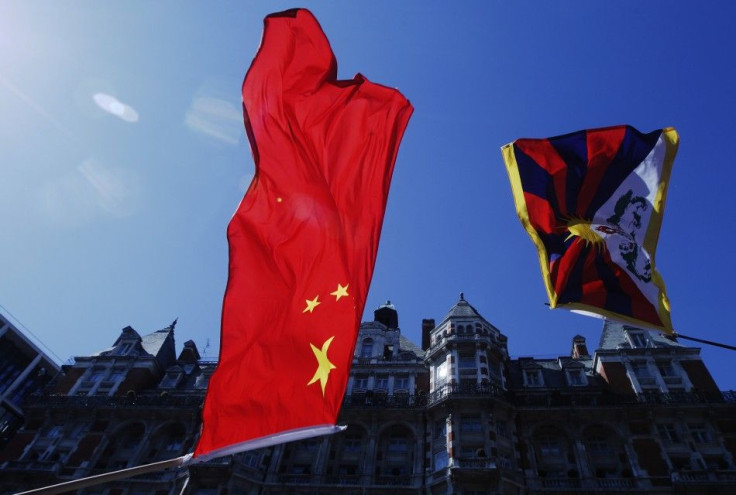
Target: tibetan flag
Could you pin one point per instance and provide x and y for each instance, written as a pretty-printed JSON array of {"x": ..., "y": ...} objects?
[
  {"x": 592, "y": 201},
  {"x": 303, "y": 241}
]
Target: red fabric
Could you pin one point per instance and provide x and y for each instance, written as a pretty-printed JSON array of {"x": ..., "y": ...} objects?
[{"x": 311, "y": 219}]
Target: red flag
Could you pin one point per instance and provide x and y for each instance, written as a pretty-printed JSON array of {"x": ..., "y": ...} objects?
[{"x": 302, "y": 242}]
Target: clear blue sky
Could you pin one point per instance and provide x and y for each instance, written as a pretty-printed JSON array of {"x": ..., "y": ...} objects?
[{"x": 115, "y": 218}]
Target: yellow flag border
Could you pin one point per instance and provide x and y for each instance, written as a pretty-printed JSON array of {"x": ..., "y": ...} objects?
[{"x": 671, "y": 140}]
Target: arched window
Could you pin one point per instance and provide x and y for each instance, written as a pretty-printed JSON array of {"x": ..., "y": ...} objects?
[
  {"x": 347, "y": 452},
  {"x": 605, "y": 451},
  {"x": 554, "y": 454},
  {"x": 395, "y": 457},
  {"x": 167, "y": 442},
  {"x": 366, "y": 350},
  {"x": 122, "y": 447}
]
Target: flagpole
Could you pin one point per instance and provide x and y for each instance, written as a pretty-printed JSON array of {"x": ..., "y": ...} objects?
[
  {"x": 105, "y": 477},
  {"x": 702, "y": 341}
]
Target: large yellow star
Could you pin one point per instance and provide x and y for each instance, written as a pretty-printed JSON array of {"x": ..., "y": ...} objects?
[
  {"x": 340, "y": 292},
  {"x": 312, "y": 304},
  {"x": 324, "y": 366}
]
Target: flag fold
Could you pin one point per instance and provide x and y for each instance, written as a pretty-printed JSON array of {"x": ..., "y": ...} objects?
[
  {"x": 303, "y": 241},
  {"x": 592, "y": 201}
]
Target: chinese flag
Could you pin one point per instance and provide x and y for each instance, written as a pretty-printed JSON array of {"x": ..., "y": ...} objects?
[{"x": 302, "y": 242}]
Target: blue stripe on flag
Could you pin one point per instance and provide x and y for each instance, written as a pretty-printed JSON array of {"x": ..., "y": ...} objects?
[
  {"x": 535, "y": 180},
  {"x": 573, "y": 149}
]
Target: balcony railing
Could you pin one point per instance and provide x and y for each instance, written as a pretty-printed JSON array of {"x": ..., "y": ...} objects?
[
  {"x": 599, "y": 398},
  {"x": 474, "y": 463},
  {"x": 125, "y": 401},
  {"x": 404, "y": 480},
  {"x": 464, "y": 389},
  {"x": 381, "y": 400},
  {"x": 343, "y": 479},
  {"x": 705, "y": 477},
  {"x": 43, "y": 466}
]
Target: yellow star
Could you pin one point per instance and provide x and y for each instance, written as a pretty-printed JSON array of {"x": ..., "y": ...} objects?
[
  {"x": 312, "y": 304},
  {"x": 324, "y": 366},
  {"x": 340, "y": 292}
]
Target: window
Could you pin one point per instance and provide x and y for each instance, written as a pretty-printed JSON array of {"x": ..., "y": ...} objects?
[
  {"x": 533, "y": 378},
  {"x": 550, "y": 447},
  {"x": 467, "y": 361},
  {"x": 502, "y": 430},
  {"x": 252, "y": 459},
  {"x": 351, "y": 445},
  {"x": 53, "y": 431},
  {"x": 381, "y": 382},
  {"x": 470, "y": 424},
  {"x": 441, "y": 372},
  {"x": 401, "y": 382},
  {"x": 170, "y": 380},
  {"x": 666, "y": 369},
  {"x": 310, "y": 445},
  {"x": 174, "y": 444},
  {"x": 440, "y": 460},
  {"x": 398, "y": 445},
  {"x": 641, "y": 369},
  {"x": 95, "y": 375},
  {"x": 366, "y": 350},
  {"x": 361, "y": 382},
  {"x": 504, "y": 461},
  {"x": 598, "y": 446},
  {"x": 348, "y": 469},
  {"x": 576, "y": 377},
  {"x": 124, "y": 348},
  {"x": 201, "y": 381},
  {"x": 440, "y": 430},
  {"x": 669, "y": 433},
  {"x": 644, "y": 374},
  {"x": 637, "y": 338},
  {"x": 699, "y": 432}
]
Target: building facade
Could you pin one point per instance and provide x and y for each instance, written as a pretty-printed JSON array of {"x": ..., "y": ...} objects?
[
  {"x": 454, "y": 416},
  {"x": 24, "y": 370}
]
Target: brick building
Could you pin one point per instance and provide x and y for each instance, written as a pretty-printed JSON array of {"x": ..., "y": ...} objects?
[{"x": 454, "y": 416}]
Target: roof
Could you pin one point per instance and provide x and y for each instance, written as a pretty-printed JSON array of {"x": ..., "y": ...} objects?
[
  {"x": 462, "y": 309},
  {"x": 407, "y": 345},
  {"x": 154, "y": 343},
  {"x": 614, "y": 337}
]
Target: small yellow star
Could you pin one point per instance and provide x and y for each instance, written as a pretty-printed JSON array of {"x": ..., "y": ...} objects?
[
  {"x": 312, "y": 304},
  {"x": 324, "y": 366},
  {"x": 340, "y": 292}
]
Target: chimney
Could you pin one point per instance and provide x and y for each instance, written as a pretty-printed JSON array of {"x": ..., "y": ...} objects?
[
  {"x": 427, "y": 326},
  {"x": 579, "y": 349}
]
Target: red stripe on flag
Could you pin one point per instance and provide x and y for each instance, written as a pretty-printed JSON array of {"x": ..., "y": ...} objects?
[
  {"x": 541, "y": 215},
  {"x": 544, "y": 154},
  {"x": 594, "y": 290},
  {"x": 603, "y": 144}
]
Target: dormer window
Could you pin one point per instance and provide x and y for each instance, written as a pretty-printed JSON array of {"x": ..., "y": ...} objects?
[
  {"x": 124, "y": 348},
  {"x": 171, "y": 379},
  {"x": 576, "y": 377},
  {"x": 637, "y": 338},
  {"x": 533, "y": 378}
]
